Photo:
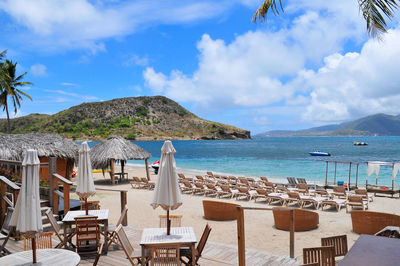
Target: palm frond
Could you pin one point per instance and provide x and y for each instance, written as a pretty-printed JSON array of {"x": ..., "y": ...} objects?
[
  {"x": 262, "y": 11},
  {"x": 23, "y": 93},
  {"x": 3, "y": 54}
]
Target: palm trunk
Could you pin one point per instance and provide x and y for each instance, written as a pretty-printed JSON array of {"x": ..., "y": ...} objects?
[{"x": 8, "y": 117}]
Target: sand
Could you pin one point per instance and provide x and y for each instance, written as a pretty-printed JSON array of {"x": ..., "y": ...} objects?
[{"x": 259, "y": 225}]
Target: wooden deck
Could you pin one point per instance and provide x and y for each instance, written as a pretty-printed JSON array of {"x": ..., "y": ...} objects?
[{"x": 214, "y": 253}]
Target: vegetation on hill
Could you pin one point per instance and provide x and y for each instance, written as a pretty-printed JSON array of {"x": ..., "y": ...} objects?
[{"x": 141, "y": 118}]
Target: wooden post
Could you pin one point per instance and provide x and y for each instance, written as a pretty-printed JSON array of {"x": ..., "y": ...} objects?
[
  {"x": 34, "y": 250},
  {"x": 123, "y": 203},
  {"x": 3, "y": 203},
  {"x": 241, "y": 237},
  {"x": 52, "y": 170},
  {"x": 122, "y": 168},
  {"x": 66, "y": 198},
  {"x": 112, "y": 172},
  {"x": 291, "y": 226},
  {"x": 357, "y": 176},
  {"x": 147, "y": 169},
  {"x": 54, "y": 196},
  {"x": 348, "y": 189},
  {"x": 326, "y": 175}
]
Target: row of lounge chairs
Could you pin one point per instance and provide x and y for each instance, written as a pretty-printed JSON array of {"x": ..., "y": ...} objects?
[
  {"x": 142, "y": 183},
  {"x": 301, "y": 195}
]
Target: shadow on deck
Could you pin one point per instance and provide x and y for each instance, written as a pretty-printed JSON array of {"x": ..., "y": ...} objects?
[{"x": 214, "y": 253}]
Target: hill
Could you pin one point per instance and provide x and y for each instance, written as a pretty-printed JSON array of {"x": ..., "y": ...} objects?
[
  {"x": 373, "y": 125},
  {"x": 141, "y": 118}
]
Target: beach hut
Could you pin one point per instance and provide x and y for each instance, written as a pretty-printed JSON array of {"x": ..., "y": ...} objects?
[
  {"x": 12, "y": 147},
  {"x": 116, "y": 148}
]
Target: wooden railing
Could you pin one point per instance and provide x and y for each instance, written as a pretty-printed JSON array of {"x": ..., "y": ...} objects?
[
  {"x": 6, "y": 184},
  {"x": 241, "y": 236},
  {"x": 123, "y": 194},
  {"x": 55, "y": 193}
]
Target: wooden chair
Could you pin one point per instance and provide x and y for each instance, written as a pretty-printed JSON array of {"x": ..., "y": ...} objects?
[
  {"x": 87, "y": 234},
  {"x": 338, "y": 242},
  {"x": 302, "y": 188},
  {"x": 176, "y": 220},
  {"x": 356, "y": 201},
  {"x": 293, "y": 198},
  {"x": 187, "y": 254},
  {"x": 5, "y": 232},
  {"x": 128, "y": 248},
  {"x": 43, "y": 241},
  {"x": 111, "y": 228},
  {"x": 57, "y": 230},
  {"x": 165, "y": 254},
  {"x": 339, "y": 191},
  {"x": 324, "y": 256},
  {"x": 147, "y": 184},
  {"x": 364, "y": 194},
  {"x": 92, "y": 205},
  {"x": 98, "y": 254}
]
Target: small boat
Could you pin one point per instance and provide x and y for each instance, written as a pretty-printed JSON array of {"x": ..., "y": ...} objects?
[
  {"x": 155, "y": 166},
  {"x": 319, "y": 153},
  {"x": 360, "y": 143}
]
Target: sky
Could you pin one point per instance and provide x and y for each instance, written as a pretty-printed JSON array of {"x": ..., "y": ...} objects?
[{"x": 313, "y": 65}]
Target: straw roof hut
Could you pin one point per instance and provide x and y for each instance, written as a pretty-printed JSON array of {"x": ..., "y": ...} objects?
[
  {"x": 13, "y": 146},
  {"x": 116, "y": 148}
]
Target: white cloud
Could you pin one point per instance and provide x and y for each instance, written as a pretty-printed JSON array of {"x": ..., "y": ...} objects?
[
  {"x": 38, "y": 70},
  {"x": 69, "y": 84},
  {"x": 73, "y": 96},
  {"x": 72, "y": 24},
  {"x": 136, "y": 60}
]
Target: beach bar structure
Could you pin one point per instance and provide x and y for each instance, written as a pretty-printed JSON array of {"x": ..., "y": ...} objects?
[
  {"x": 13, "y": 146},
  {"x": 335, "y": 163},
  {"x": 374, "y": 168},
  {"x": 105, "y": 154}
]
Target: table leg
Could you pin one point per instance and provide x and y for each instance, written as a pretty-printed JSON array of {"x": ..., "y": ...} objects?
[
  {"x": 193, "y": 255},
  {"x": 105, "y": 236},
  {"x": 65, "y": 234},
  {"x": 143, "y": 253}
]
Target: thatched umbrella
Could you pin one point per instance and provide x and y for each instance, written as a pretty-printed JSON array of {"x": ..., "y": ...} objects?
[{"x": 104, "y": 154}]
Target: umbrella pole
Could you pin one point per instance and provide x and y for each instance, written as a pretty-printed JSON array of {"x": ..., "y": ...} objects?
[
  {"x": 34, "y": 250},
  {"x": 168, "y": 224},
  {"x": 87, "y": 207}
]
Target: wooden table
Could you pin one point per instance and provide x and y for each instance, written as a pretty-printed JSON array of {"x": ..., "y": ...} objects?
[
  {"x": 121, "y": 176},
  {"x": 155, "y": 236},
  {"x": 53, "y": 257},
  {"x": 102, "y": 218},
  {"x": 373, "y": 250}
]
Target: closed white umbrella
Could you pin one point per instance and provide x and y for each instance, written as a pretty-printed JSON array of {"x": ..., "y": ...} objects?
[
  {"x": 166, "y": 192},
  {"x": 85, "y": 185},
  {"x": 27, "y": 217}
]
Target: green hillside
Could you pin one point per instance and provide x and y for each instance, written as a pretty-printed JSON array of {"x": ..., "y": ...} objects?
[{"x": 141, "y": 118}]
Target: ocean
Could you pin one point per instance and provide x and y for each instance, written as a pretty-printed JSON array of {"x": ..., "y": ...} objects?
[{"x": 283, "y": 157}]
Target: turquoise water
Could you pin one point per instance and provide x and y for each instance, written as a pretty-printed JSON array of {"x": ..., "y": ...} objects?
[{"x": 282, "y": 157}]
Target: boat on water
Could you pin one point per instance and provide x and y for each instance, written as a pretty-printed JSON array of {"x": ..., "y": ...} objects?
[
  {"x": 360, "y": 143},
  {"x": 319, "y": 153}
]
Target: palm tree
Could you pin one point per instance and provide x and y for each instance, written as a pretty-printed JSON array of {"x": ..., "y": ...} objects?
[
  {"x": 374, "y": 13},
  {"x": 9, "y": 84}
]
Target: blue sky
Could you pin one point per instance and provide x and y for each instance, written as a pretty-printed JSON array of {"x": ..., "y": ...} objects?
[{"x": 311, "y": 66}]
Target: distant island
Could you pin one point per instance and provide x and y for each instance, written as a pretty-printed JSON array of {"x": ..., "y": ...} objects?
[
  {"x": 373, "y": 125},
  {"x": 136, "y": 118}
]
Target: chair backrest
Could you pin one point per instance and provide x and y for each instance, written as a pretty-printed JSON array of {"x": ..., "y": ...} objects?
[
  {"x": 165, "y": 254},
  {"x": 199, "y": 177},
  {"x": 181, "y": 176},
  {"x": 263, "y": 178},
  {"x": 338, "y": 242},
  {"x": 261, "y": 191},
  {"x": 91, "y": 205},
  {"x": 243, "y": 189},
  {"x": 281, "y": 189},
  {"x": 243, "y": 180},
  {"x": 87, "y": 234},
  {"x": 144, "y": 180},
  {"x": 210, "y": 173},
  {"x": 251, "y": 180},
  {"x": 322, "y": 192},
  {"x": 124, "y": 241},
  {"x": 293, "y": 195},
  {"x": 301, "y": 180},
  {"x": 324, "y": 256},
  {"x": 52, "y": 220},
  {"x": 225, "y": 188},
  {"x": 339, "y": 189},
  {"x": 355, "y": 198},
  {"x": 136, "y": 179},
  {"x": 291, "y": 180},
  {"x": 176, "y": 220},
  {"x": 203, "y": 241},
  {"x": 123, "y": 214},
  {"x": 302, "y": 186},
  {"x": 5, "y": 228},
  {"x": 361, "y": 192},
  {"x": 269, "y": 184},
  {"x": 43, "y": 241},
  {"x": 198, "y": 185},
  {"x": 210, "y": 186},
  {"x": 187, "y": 184}
]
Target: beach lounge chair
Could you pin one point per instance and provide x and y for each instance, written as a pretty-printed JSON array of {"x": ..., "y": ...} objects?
[
  {"x": 244, "y": 192},
  {"x": 43, "y": 241},
  {"x": 232, "y": 181},
  {"x": 364, "y": 193},
  {"x": 324, "y": 256},
  {"x": 338, "y": 242},
  {"x": 147, "y": 184},
  {"x": 199, "y": 178},
  {"x": 210, "y": 174},
  {"x": 339, "y": 191},
  {"x": 199, "y": 188},
  {"x": 263, "y": 178},
  {"x": 356, "y": 201},
  {"x": 165, "y": 254},
  {"x": 269, "y": 186},
  {"x": 260, "y": 193},
  {"x": 111, "y": 228},
  {"x": 5, "y": 232},
  {"x": 281, "y": 189},
  {"x": 126, "y": 245},
  {"x": 337, "y": 203},
  {"x": 291, "y": 181},
  {"x": 293, "y": 198},
  {"x": 227, "y": 191},
  {"x": 136, "y": 183},
  {"x": 182, "y": 176},
  {"x": 211, "y": 190},
  {"x": 322, "y": 193},
  {"x": 301, "y": 180},
  {"x": 187, "y": 187},
  {"x": 309, "y": 201},
  {"x": 243, "y": 181},
  {"x": 186, "y": 255},
  {"x": 302, "y": 188},
  {"x": 251, "y": 180},
  {"x": 277, "y": 198}
]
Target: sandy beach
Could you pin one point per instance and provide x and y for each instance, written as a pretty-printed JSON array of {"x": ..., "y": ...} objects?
[{"x": 260, "y": 231}]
